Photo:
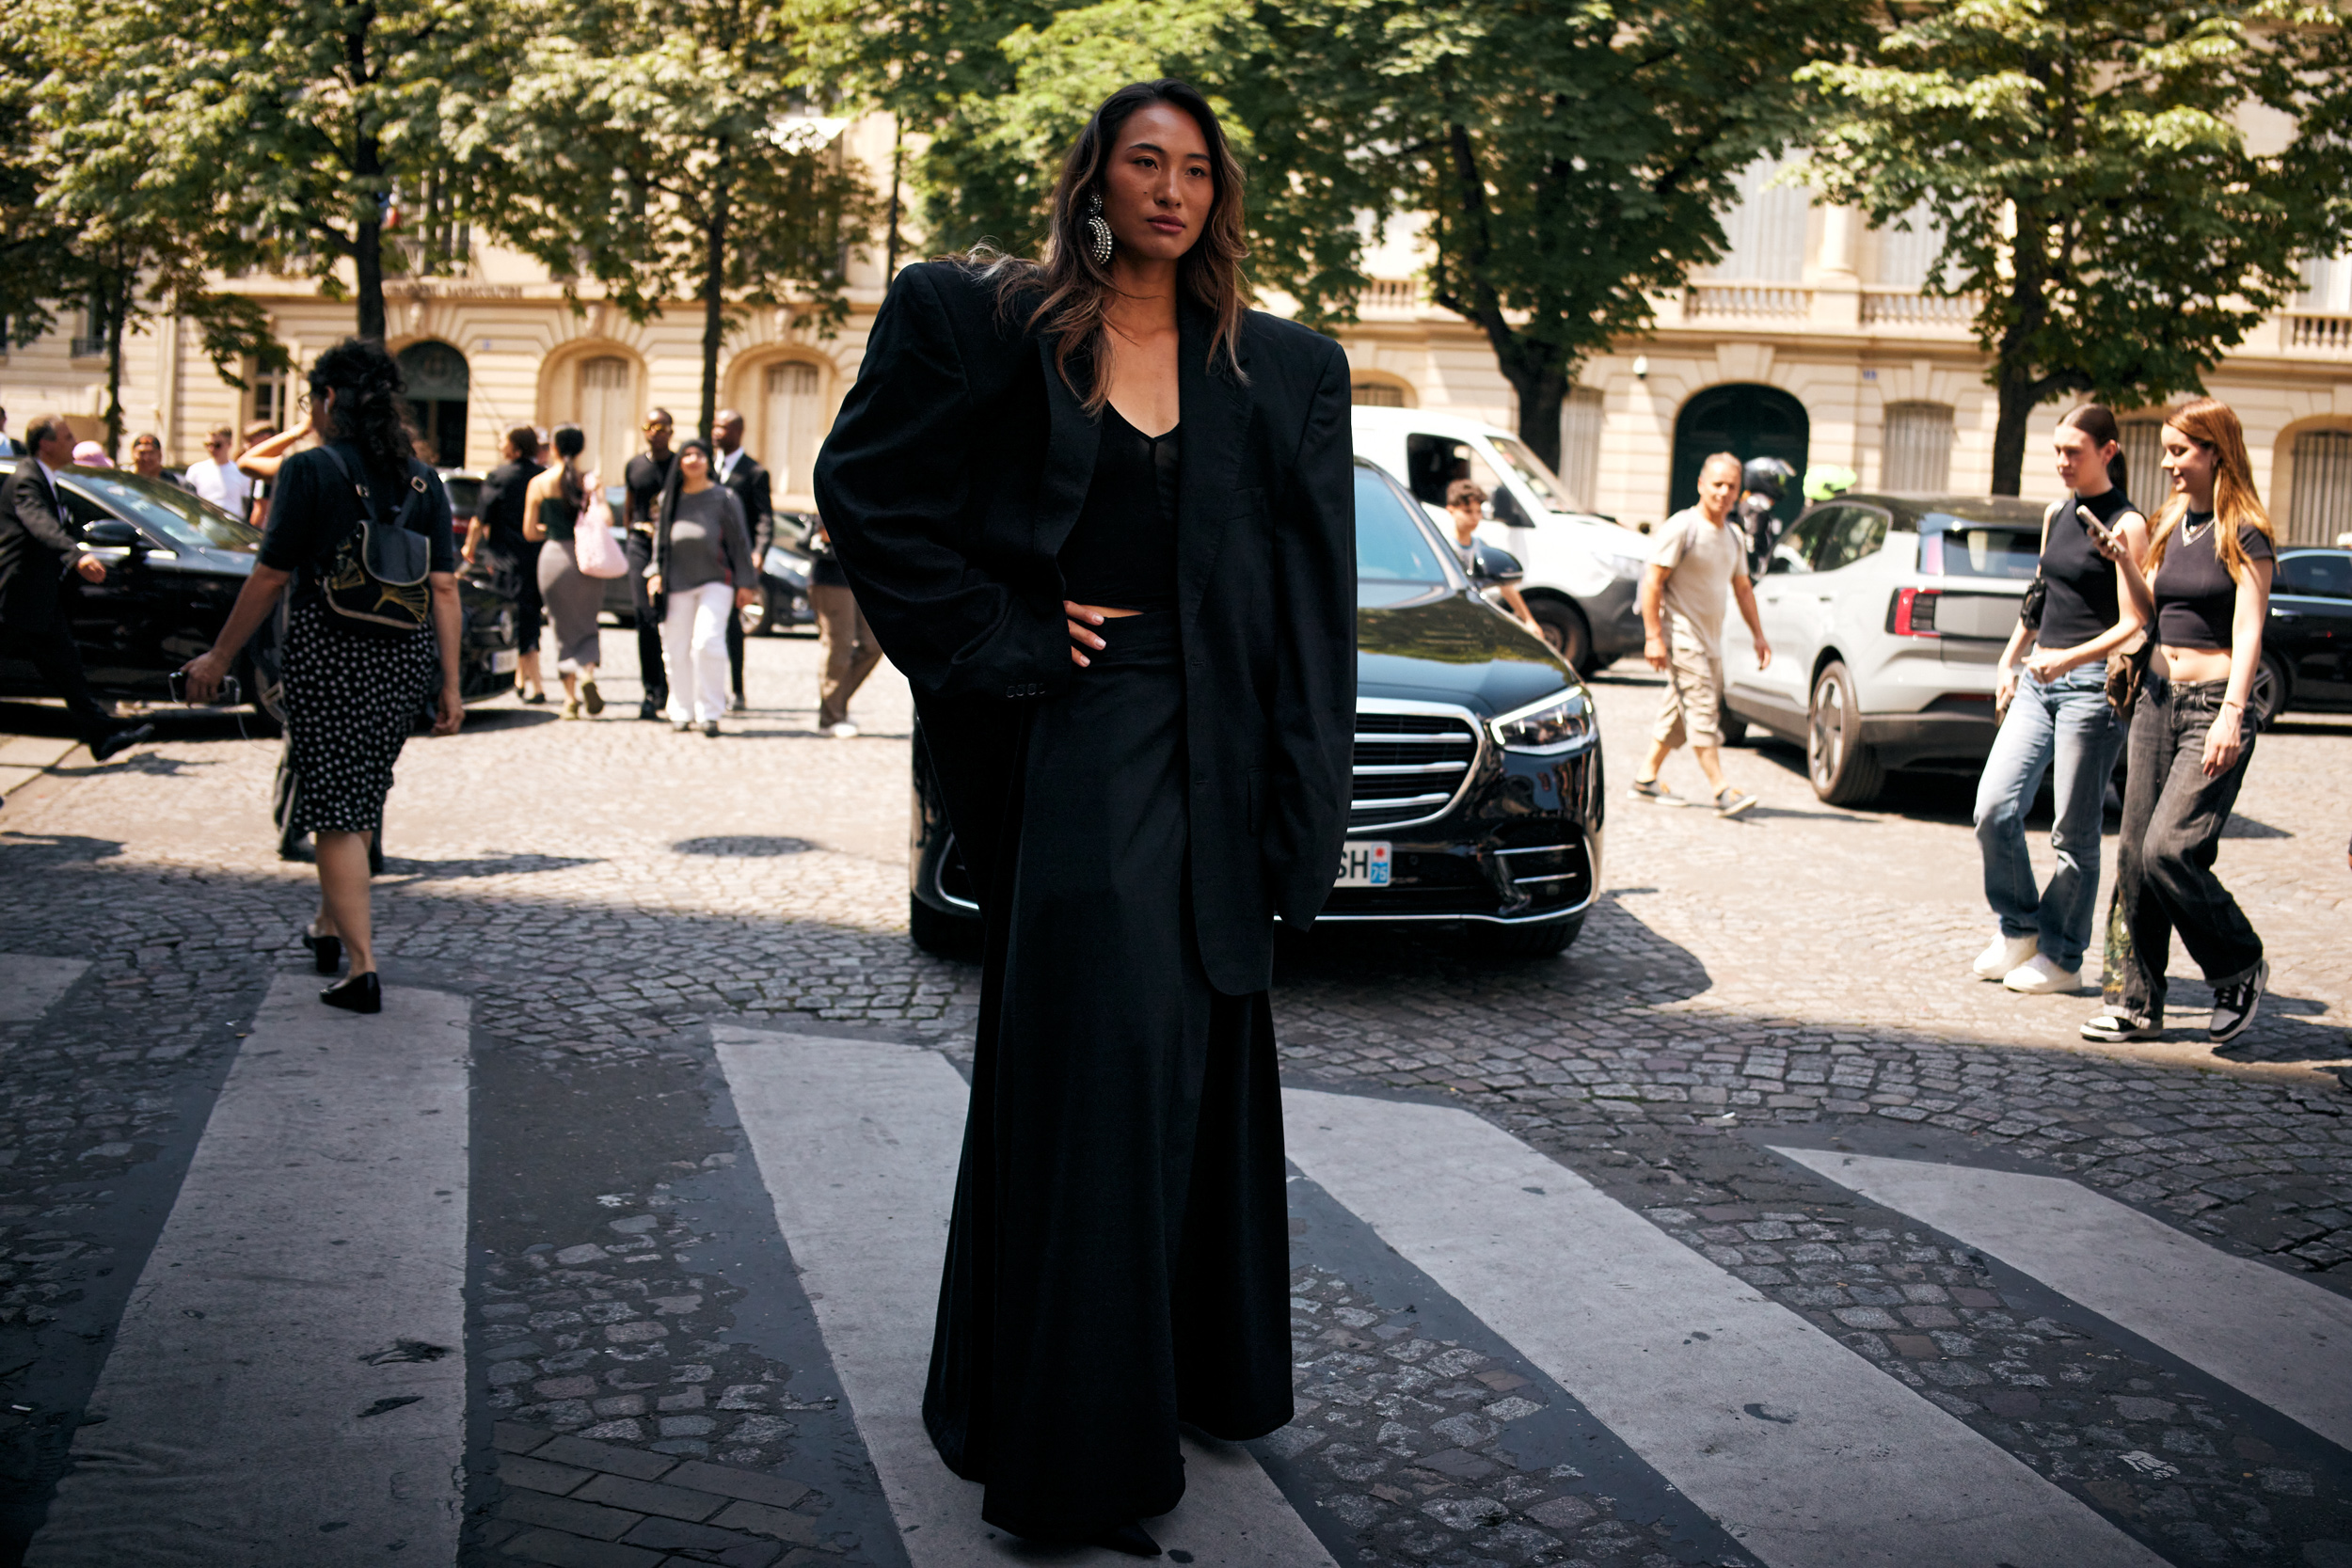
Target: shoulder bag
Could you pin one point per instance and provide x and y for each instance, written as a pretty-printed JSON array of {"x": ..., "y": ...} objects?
[
  {"x": 593, "y": 547},
  {"x": 373, "y": 578}
]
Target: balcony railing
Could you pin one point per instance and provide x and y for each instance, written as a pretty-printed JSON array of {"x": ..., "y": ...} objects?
[
  {"x": 1389, "y": 296},
  {"x": 1747, "y": 301},
  {"x": 2328, "y": 337},
  {"x": 1906, "y": 310}
]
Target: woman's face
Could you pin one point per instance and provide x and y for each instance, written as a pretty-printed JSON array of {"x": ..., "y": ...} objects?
[
  {"x": 2082, "y": 461},
  {"x": 693, "y": 465},
  {"x": 2188, "y": 463},
  {"x": 1157, "y": 187}
]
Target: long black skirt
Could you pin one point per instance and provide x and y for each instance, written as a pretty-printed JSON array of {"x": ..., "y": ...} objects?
[
  {"x": 1119, "y": 1258},
  {"x": 352, "y": 701}
]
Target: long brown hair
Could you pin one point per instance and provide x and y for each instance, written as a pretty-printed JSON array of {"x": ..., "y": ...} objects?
[
  {"x": 1072, "y": 289},
  {"x": 2213, "y": 425}
]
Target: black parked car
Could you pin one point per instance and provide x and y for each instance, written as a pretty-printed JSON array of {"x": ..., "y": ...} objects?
[
  {"x": 2307, "y": 642},
  {"x": 1478, "y": 796},
  {"x": 783, "y": 600},
  {"x": 174, "y": 566}
]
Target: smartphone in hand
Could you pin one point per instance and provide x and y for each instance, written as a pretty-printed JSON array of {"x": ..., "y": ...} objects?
[
  {"x": 2101, "y": 535},
  {"x": 228, "y": 696}
]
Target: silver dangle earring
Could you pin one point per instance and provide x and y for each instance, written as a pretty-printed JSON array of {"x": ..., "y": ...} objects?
[{"x": 1098, "y": 231}]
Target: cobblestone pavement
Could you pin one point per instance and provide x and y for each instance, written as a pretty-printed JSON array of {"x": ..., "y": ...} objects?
[{"x": 603, "y": 891}]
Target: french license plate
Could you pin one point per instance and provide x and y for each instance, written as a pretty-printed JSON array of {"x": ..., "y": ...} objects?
[
  {"x": 501, "y": 660},
  {"x": 1364, "y": 864}
]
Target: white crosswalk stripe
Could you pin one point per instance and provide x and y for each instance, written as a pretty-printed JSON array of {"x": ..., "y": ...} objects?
[
  {"x": 1808, "y": 1455},
  {"x": 857, "y": 1143},
  {"x": 28, "y": 984},
  {"x": 2286, "y": 1343},
  {"x": 286, "y": 1388}
]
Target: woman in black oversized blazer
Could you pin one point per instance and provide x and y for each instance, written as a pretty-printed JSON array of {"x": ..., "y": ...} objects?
[{"x": 1137, "y": 798}]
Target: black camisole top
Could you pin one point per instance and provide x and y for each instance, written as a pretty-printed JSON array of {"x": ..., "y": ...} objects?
[
  {"x": 2080, "y": 582},
  {"x": 1122, "y": 551},
  {"x": 558, "y": 518}
]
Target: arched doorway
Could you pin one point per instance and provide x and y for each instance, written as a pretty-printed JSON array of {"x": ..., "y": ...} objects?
[
  {"x": 1745, "y": 418},
  {"x": 438, "y": 385}
]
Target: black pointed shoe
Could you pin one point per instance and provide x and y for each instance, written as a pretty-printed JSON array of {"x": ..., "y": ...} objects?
[
  {"x": 1129, "y": 1539},
  {"x": 355, "y": 993},
  {"x": 326, "y": 952}
]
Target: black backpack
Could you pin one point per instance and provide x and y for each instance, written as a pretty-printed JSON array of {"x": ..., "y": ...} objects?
[{"x": 372, "y": 579}]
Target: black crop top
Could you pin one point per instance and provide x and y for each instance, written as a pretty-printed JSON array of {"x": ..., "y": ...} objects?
[
  {"x": 1122, "y": 551},
  {"x": 559, "y": 517},
  {"x": 2080, "y": 582},
  {"x": 2195, "y": 597}
]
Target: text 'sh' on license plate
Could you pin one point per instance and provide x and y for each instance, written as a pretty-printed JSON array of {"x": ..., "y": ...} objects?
[{"x": 1364, "y": 864}]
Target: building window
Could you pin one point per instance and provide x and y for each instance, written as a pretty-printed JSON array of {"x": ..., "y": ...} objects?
[
  {"x": 2143, "y": 452},
  {"x": 1904, "y": 258},
  {"x": 1580, "y": 446},
  {"x": 1376, "y": 394},
  {"x": 1918, "y": 447},
  {"x": 2320, "y": 507},
  {"x": 1764, "y": 230},
  {"x": 2328, "y": 285},
  {"x": 796, "y": 426},
  {"x": 608, "y": 415},
  {"x": 271, "y": 395}
]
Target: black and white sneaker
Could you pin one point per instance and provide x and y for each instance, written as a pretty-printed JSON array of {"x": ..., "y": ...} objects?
[
  {"x": 2235, "y": 1005},
  {"x": 2122, "y": 1026}
]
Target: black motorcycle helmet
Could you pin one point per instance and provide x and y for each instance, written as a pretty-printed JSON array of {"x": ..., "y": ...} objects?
[{"x": 1767, "y": 476}]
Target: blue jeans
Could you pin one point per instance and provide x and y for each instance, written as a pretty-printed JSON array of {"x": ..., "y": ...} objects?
[{"x": 2069, "y": 720}]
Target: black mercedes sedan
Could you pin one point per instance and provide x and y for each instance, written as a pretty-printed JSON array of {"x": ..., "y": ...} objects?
[
  {"x": 2307, "y": 641},
  {"x": 174, "y": 566},
  {"x": 1478, "y": 795}
]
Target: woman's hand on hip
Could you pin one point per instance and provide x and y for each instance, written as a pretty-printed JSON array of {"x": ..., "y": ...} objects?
[
  {"x": 452, "y": 712},
  {"x": 2223, "y": 741},
  {"x": 1082, "y": 620}
]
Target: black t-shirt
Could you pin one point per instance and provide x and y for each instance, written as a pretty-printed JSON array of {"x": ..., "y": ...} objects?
[
  {"x": 314, "y": 507},
  {"x": 500, "y": 508},
  {"x": 2196, "y": 596},
  {"x": 644, "y": 477},
  {"x": 2080, "y": 582}
]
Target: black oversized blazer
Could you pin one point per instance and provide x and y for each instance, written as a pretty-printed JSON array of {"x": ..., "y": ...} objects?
[{"x": 951, "y": 479}]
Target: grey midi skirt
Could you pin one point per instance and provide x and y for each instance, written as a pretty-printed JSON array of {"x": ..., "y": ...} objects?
[{"x": 573, "y": 598}]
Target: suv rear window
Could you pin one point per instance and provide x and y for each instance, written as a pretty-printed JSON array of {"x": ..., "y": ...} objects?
[{"x": 1963, "y": 548}]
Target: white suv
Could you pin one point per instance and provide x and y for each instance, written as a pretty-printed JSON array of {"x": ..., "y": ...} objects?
[
  {"x": 1886, "y": 615},
  {"x": 1582, "y": 570}
]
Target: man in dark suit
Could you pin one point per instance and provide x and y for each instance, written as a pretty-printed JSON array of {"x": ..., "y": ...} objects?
[
  {"x": 740, "y": 472},
  {"x": 37, "y": 550}
]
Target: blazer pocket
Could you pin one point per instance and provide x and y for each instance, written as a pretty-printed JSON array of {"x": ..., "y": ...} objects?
[{"x": 1256, "y": 782}]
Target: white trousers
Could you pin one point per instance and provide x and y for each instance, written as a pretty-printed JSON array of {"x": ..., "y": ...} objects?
[{"x": 695, "y": 647}]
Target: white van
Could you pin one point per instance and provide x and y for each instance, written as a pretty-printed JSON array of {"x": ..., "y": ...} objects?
[{"x": 1583, "y": 570}]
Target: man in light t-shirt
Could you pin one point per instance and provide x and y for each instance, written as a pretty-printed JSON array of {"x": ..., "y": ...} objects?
[
  {"x": 1700, "y": 562},
  {"x": 216, "y": 476}
]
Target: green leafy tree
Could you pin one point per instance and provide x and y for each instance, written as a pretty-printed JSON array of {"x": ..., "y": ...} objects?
[
  {"x": 35, "y": 248},
  {"x": 668, "y": 150},
  {"x": 2087, "y": 164},
  {"x": 1569, "y": 162},
  {"x": 283, "y": 131}
]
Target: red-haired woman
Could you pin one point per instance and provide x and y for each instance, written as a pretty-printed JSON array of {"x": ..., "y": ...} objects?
[
  {"x": 1102, "y": 515},
  {"x": 2205, "y": 589}
]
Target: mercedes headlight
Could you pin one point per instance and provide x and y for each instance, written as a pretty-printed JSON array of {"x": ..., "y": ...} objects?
[{"x": 1558, "y": 723}]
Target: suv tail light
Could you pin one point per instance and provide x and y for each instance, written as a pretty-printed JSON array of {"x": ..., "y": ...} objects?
[{"x": 1911, "y": 612}]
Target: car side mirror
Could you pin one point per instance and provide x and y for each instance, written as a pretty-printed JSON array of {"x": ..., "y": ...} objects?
[
  {"x": 111, "y": 534},
  {"x": 1776, "y": 564},
  {"x": 1494, "y": 567}
]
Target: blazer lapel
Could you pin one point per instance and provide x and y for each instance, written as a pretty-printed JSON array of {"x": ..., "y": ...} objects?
[
  {"x": 1216, "y": 427},
  {"x": 1072, "y": 439}
]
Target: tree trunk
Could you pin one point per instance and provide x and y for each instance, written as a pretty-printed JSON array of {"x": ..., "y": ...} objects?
[
  {"x": 2013, "y": 383},
  {"x": 367, "y": 254},
  {"x": 117, "y": 309},
  {"x": 367, "y": 168},
  {"x": 714, "y": 298},
  {"x": 1541, "y": 393}
]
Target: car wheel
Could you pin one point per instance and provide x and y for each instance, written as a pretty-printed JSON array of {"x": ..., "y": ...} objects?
[
  {"x": 943, "y": 936},
  {"x": 2273, "y": 688},
  {"x": 1842, "y": 768},
  {"x": 1546, "y": 941},
  {"x": 756, "y": 620},
  {"x": 1564, "y": 629}
]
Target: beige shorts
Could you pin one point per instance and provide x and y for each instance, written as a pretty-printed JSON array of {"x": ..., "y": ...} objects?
[{"x": 1694, "y": 699}]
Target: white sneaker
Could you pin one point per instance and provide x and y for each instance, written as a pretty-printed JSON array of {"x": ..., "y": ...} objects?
[
  {"x": 844, "y": 731},
  {"x": 2039, "y": 975},
  {"x": 2005, "y": 954}
]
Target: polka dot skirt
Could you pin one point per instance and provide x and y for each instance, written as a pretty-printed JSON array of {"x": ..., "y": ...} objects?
[{"x": 351, "y": 702}]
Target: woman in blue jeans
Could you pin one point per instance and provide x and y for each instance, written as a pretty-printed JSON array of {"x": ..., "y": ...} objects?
[{"x": 2057, "y": 713}]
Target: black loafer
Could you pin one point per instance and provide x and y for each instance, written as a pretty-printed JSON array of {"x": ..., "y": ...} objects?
[
  {"x": 107, "y": 747},
  {"x": 355, "y": 993}
]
